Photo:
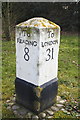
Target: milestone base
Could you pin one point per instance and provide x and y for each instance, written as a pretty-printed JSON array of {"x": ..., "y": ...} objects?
[{"x": 36, "y": 98}]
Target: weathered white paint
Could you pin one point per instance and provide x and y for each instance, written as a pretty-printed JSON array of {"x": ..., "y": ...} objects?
[{"x": 42, "y": 65}]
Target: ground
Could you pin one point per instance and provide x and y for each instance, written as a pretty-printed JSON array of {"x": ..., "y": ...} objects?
[{"x": 68, "y": 67}]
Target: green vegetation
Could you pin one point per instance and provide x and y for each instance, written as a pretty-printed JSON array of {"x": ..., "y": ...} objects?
[
  {"x": 8, "y": 74},
  {"x": 67, "y": 73}
]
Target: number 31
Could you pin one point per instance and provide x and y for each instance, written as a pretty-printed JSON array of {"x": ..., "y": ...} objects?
[{"x": 49, "y": 54}]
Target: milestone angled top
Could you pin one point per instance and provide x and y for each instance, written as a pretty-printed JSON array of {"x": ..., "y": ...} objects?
[{"x": 38, "y": 22}]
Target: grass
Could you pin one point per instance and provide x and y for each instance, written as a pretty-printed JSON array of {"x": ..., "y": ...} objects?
[
  {"x": 8, "y": 75},
  {"x": 67, "y": 73}
]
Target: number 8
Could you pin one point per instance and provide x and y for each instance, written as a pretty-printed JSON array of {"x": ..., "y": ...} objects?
[{"x": 26, "y": 56}]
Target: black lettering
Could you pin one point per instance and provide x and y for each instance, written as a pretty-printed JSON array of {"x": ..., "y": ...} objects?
[
  {"x": 56, "y": 41},
  {"x": 26, "y": 56},
  {"x": 32, "y": 43},
  {"x": 21, "y": 41},
  {"x": 26, "y": 42},
  {"x": 49, "y": 54},
  {"x": 23, "y": 32},
  {"x": 52, "y": 35},
  {"x": 49, "y": 34},
  {"x": 42, "y": 44},
  {"x": 28, "y": 34},
  {"x": 52, "y": 52},
  {"x": 46, "y": 43},
  {"x": 35, "y": 43}
]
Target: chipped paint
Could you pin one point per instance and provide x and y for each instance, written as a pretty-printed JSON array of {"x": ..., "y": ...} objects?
[
  {"x": 36, "y": 105},
  {"x": 38, "y": 91}
]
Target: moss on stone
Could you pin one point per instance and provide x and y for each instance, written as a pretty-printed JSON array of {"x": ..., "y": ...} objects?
[
  {"x": 37, "y": 105},
  {"x": 38, "y": 91},
  {"x": 38, "y": 22},
  {"x": 27, "y": 29}
]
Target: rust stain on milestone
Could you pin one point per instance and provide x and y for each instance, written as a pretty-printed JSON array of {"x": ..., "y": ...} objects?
[{"x": 38, "y": 22}]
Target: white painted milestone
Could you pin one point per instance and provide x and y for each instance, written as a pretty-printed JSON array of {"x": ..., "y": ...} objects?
[{"x": 37, "y": 47}]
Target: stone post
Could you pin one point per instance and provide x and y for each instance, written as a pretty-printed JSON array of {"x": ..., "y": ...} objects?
[{"x": 37, "y": 47}]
